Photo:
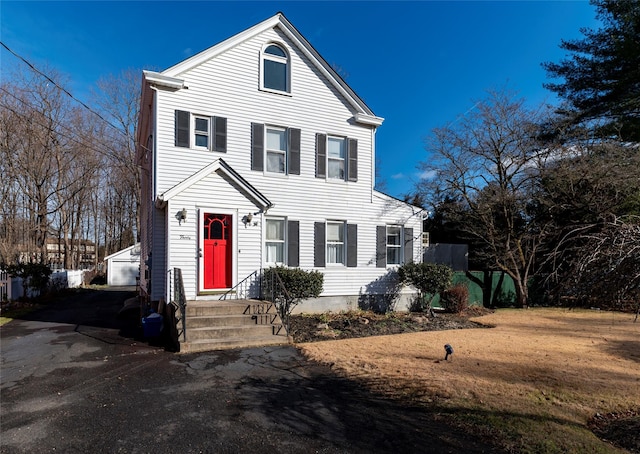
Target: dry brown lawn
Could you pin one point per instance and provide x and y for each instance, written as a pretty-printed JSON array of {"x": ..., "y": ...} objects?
[{"x": 532, "y": 383}]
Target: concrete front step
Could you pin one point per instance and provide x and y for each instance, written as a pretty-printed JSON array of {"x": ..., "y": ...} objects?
[
  {"x": 209, "y": 321},
  {"x": 223, "y": 344},
  {"x": 237, "y": 307},
  {"x": 226, "y": 332},
  {"x": 212, "y": 325}
]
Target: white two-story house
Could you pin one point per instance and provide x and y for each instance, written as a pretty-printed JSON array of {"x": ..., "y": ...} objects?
[{"x": 256, "y": 153}]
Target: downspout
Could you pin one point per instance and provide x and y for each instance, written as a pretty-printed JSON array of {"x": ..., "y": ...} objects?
[{"x": 373, "y": 162}]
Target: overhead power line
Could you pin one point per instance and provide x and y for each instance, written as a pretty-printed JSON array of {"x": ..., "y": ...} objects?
[{"x": 64, "y": 90}]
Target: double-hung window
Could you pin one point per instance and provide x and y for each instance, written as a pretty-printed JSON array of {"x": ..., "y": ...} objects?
[
  {"x": 394, "y": 245},
  {"x": 275, "y": 69},
  {"x": 276, "y": 150},
  {"x": 336, "y": 157},
  {"x": 201, "y": 132},
  {"x": 275, "y": 241},
  {"x": 335, "y": 242}
]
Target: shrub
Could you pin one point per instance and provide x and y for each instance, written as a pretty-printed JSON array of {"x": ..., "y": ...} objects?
[
  {"x": 298, "y": 285},
  {"x": 428, "y": 278},
  {"x": 35, "y": 276},
  {"x": 455, "y": 299}
]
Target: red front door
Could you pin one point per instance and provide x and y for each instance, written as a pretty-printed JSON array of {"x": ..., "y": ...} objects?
[{"x": 217, "y": 251}]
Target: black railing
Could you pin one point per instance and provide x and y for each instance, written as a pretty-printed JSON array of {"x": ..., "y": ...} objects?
[
  {"x": 242, "y": 290},
  {"x": 179, "y": 301},
  {"x": 276, "y": 292}
]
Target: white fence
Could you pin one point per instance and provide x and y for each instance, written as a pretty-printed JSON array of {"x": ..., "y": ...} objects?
[{"x": 11, "y": 288}]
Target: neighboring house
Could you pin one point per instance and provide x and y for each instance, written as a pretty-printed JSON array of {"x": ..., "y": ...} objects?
[
  {"x": 123, "y": 267},
  {"x": 256, "y": 153}
]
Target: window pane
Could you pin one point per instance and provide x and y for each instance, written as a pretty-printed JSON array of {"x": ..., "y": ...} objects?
[
  {"x": 275, "y": 75},
  {"x": 202, "y": 124},
  {"x": 275, "y": 162},
  {"x": 275, "y": 50},
  {"x": 393, "y": 236},
  {"x": 335, "y": 148},
  {"x": 276, "y": 140},
  {"x": 336, "y": 169},
  {"x": 393, "y": 255},
  {"x": 202, "y": 141},
  {"x": 335, "y": 253},
  {"x": 275, "y": 252},
  {"x": 275, "y": 229},
  {"x": 335, "y": 232}
]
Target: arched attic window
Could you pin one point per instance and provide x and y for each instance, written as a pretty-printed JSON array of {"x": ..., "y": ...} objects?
[{"x": 275, "y": 69}]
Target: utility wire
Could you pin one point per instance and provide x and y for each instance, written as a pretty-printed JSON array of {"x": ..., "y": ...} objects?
[
  {"x": 64, "y": 90},
  {"x": 106, "y": 151}
]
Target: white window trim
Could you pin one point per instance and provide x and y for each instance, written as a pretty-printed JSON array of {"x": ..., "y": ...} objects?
[
  {"x": 284, "y": 240},
  {"x": 266, "y": 151},
  {"x": 286, "y": 60},
  {"x": 399, "y": 246},
  {"x": 195, "y": 117},
  {"x": 343, "y": 262},
  {"x": 343, "y": 159}
]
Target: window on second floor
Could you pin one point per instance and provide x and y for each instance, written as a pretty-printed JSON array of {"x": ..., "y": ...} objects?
[
  {"x": 336, "y": 149},
  {"x": 275, "y": 69},
  {"x": 200, "y": 131},
  {"x": 275, "y": 149},
  {"x": 336, "y": 158}
]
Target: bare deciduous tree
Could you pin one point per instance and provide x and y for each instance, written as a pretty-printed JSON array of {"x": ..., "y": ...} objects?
[{"x": 488, "y": 160}]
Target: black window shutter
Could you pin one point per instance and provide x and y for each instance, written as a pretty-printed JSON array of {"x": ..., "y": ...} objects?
[
  {"x": 182, "y": 128},
  {"x": 318, "y": 244},
  {"x": 293, "y": 243},
  {"x": 321, "y": 155},
  {"x": 408, "y": 245},
  {"x": 294, "y": 151},
  {"x": 352, "y": 245},
  {"x": 219, "y": 134},
  {"x": 381, "y": 246},
  {"x": 352, "y": 152},
  {"x": 257, "y": 146}
]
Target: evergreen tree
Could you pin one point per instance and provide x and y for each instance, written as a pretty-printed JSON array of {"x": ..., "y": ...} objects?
[{"x": 602, "y": 77}]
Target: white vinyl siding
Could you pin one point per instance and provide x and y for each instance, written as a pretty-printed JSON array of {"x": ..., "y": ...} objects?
[{"x": 225, "y": 86}]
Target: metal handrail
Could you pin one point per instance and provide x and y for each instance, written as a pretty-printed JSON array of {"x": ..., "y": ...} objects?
[
  {"x": 179, "y": 300},
  {"x": 241, "y": 289},
  {"x": 280, "y": 297}
]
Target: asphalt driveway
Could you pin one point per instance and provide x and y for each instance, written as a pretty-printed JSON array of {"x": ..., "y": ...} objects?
[{"x": 75, "y": 378}]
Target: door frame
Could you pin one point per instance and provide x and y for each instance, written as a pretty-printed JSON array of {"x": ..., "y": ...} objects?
[{"x": 234, "y": 246}]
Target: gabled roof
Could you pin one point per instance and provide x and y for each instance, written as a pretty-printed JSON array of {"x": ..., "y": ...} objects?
[
  {"x": 220, "y": 166},
  {"x": 171, "y": 76},
  {"x": 134, "y": 249}
]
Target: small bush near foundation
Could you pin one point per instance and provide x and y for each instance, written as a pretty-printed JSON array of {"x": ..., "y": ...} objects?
[{"x": 455, "y": 299}]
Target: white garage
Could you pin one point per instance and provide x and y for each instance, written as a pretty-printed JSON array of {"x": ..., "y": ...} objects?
[{"x": 123, "y": 267}]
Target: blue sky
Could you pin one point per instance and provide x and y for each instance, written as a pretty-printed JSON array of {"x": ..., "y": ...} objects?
[{"x": 417, "y": 64}]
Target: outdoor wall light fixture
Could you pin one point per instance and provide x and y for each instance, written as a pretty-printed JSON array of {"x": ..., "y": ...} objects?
[{"x": 181, "y": 216}]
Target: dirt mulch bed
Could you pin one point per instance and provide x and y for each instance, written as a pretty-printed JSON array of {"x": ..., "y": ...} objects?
[
  {"x": 620, "y": 429},
  {"x": 355, "y": 324}
]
